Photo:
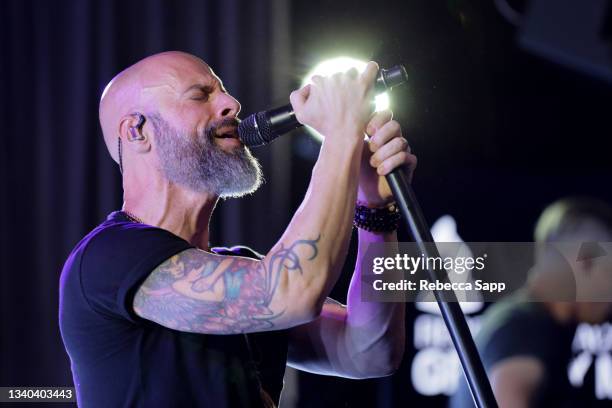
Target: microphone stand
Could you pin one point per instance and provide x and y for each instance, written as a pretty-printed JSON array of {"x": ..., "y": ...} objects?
[
  {"x": 454, "y": 319},
  {"x": 263, "y": 127}
]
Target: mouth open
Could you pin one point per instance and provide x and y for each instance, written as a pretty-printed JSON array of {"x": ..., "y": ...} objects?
[{"x": 227, "y": 133}]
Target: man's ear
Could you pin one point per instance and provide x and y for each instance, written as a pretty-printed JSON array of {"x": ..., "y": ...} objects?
[{"x": 131, "y": 129}]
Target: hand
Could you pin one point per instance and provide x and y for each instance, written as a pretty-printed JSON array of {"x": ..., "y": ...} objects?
[
  {"x": 337, "y": 104},
  {"x": 385, "y": 151}
]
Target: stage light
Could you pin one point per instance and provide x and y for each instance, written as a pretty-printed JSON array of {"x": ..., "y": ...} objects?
[{"x": 342, "y": 64}]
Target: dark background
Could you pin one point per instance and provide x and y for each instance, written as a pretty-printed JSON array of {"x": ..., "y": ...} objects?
[{"x": 499, "y": 132}]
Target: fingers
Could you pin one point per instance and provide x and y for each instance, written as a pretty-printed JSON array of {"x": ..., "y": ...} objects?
[
  {"x": 352, "y": 73},
  {"x": 368, "y": 76},
  {"x": 342, "y": 100},
  {"x": 317, "y": 79},
  {"x": 398, "y": 160},
  {"x": 384, "y": 134},
  {"x": 378, "y": 120},
  {"x": 396, "y": 145},
  {"x": 298, "y": 98},
  {"x": 391, "y": 150}
]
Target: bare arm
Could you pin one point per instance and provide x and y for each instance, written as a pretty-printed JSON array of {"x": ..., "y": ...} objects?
[
  {"x": 515, "y": 379},
  {"x": 364, "y": 339},
  {"x": 360, "y": 340},
  {"x": 290, "y": 285}
]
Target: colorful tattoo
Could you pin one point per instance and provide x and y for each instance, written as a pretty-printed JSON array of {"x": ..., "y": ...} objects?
[{"x": 199, "y": 292}]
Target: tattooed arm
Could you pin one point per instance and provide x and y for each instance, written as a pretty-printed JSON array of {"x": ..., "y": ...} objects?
[
  {"x": 196, "y": 291},
  {"x": 205, "y": 293}
]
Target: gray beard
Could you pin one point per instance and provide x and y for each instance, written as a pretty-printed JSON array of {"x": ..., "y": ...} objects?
[{"x": 200, "y": 165}]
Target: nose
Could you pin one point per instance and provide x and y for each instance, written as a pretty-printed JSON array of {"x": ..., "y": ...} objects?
[{"x": 228, "y": 106}]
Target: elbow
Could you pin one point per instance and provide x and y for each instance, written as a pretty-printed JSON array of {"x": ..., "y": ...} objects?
[
  {"x": 394, "y": 362},
  {"x": 312, "y": 307},
  {"x": 378, "y": 370},
  {"x": 373, "y": 370},
  {"x": 304, "y": 294},
  {"x": 389, "y": 364},
  {"x": 381, "y": 362},
  {"x": 305, "y": 299},
  {"x": 303, "y": 305}
]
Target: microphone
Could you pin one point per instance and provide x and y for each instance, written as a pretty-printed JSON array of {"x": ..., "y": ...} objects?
[{"x": 263, "y": 127}]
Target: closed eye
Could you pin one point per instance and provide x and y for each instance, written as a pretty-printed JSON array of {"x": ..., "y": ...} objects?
[
  {"x": 200, "y": 97},
  {"x": 202, "y": 93}
]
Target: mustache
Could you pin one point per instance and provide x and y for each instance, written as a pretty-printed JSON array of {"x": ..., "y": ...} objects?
[{"x": 213, "y": 127}]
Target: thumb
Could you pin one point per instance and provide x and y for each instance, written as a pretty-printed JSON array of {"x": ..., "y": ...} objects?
[{"x": 299, "y": 96}]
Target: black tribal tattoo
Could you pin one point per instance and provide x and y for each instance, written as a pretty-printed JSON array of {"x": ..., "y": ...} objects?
[{"x": 198, "y": 292}]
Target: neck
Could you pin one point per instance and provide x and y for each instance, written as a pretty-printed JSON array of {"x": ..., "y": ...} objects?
[{"x": 165, "y": 205}]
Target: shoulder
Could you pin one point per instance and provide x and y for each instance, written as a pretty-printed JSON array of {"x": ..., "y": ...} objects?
[
  {"x": 118, "y": 235},
  {"x": 517, "y": 328},
  {"x": 109, "y": 263},
  {"x": 118, "y": 246}
]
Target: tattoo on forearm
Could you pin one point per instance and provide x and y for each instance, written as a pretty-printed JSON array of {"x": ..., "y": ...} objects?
[{"x": 220, "y": 294}]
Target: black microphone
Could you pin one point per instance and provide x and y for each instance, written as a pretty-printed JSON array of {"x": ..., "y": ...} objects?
[{"x": 263, "y": 127}]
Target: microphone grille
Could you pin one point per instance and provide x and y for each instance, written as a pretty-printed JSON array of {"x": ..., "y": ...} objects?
[
  {"x": 248, "y": 132},
  {"x": 265, "y": 127},
  {"x": 255, "y": 130}
]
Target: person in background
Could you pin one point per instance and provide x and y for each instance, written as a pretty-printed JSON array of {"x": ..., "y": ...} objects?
[{"x": 525, "y": 340}]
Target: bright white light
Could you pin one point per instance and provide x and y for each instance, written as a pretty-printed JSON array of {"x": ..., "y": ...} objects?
[
  {"x": 382, "y": 102},
  {"x": 343, "y": 64}
]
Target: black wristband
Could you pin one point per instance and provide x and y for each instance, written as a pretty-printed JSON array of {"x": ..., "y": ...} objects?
[{"x": 382, "y": 219}]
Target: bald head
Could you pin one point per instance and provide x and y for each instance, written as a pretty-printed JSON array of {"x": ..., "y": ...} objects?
[
  {"x": 177, "y": 125},
  {"x": 140, "y": 87}
]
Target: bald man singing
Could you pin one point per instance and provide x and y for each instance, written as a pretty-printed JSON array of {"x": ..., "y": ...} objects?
[{"x": 152, "y": 316}]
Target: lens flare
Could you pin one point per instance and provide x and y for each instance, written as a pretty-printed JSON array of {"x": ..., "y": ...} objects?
[{"x": 342, "y": 64}]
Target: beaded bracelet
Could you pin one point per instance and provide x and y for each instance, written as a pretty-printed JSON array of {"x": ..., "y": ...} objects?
[{"x": 381, "y": 219}]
